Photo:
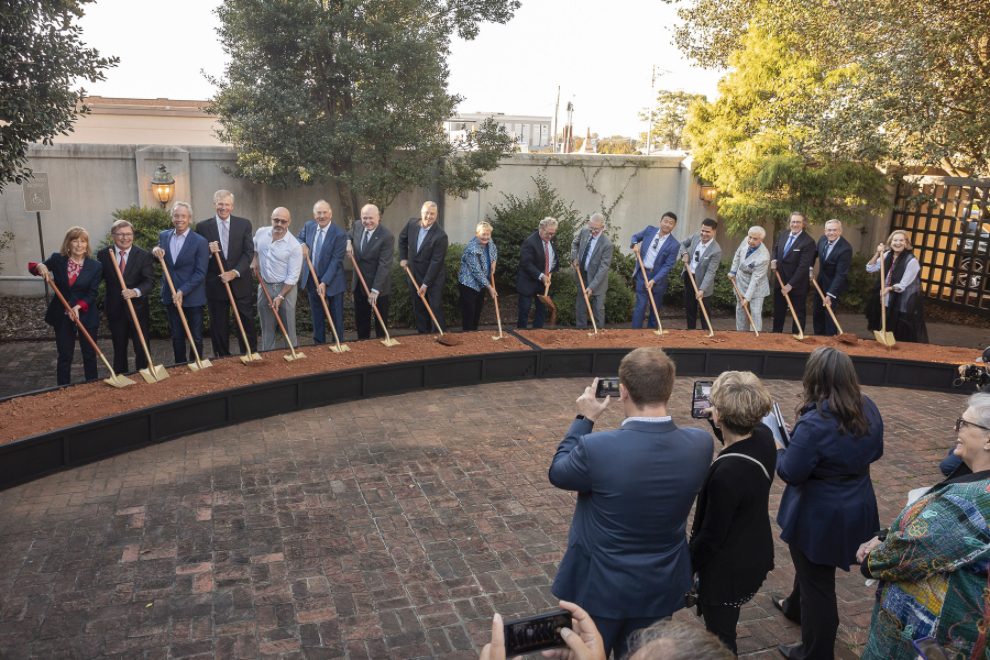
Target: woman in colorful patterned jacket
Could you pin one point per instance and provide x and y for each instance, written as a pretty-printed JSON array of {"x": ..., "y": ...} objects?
[
  {"x": 477, "y": 268},
  {"x": 933, "y": 562}
]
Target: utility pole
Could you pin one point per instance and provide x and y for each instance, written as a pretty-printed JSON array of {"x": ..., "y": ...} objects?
[
  {"x": 555, "y": 111},
  {"x": 653, "y": 96}
]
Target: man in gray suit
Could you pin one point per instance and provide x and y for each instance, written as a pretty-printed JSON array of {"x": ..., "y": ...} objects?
[
  {"x": 749, "y": 272},
  {"x": 373, "y": 247},
  {"x": 701, "y": 254},
  {"x": 591, "y": 254}
]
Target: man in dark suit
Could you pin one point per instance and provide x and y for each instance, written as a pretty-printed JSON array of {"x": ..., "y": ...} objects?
[
  {"x": 658, "y": 259},
  {"x": 233, "y": 238},
  {"x": 373, "y": 247},
  {"x": 186, "y": 256},
  {"x": 423, "y": 247},
  {"x": 537, "y": 262},
  {"x": 627, "y": 561},
  {"x": 139, "y": 278},
  {"x": 834, "y": 256},
  {"x": 325, "y": 244},
  {"x": 792, "y": 257}
]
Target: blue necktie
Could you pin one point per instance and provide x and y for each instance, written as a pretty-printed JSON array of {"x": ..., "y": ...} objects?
[
  {"x": 318, "y": 246},
  {"x": 787, "y": 247},
  {"x": 750, "y": 251}
]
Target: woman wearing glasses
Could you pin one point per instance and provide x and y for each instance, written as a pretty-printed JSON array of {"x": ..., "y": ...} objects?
[
  {"x": 828, "y": 507},
  {"x": 933, "y": 560}
]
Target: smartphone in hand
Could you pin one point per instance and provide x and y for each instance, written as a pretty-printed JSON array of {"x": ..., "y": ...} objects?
[
  {"x": 535, "y": 633},
  {"x": 700, "y": 401},
  {"x": 607, "y": 387},
  {"x": 929, "y": 649}
]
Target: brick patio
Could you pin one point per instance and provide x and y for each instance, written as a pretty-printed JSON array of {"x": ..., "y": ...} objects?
[{"x": 386, "y": 528}]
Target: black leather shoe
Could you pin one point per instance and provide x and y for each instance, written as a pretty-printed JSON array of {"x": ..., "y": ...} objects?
[
  {"x": 786, "y": 651},
  {"x": 777, "y": 601}
]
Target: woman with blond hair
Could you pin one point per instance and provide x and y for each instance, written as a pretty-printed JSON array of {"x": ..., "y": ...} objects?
[
  {"x": 731, "y": 540},
  {"x": 77, "y": 277},
  {"x": 475, "y": 277},
  {"x": 900, "y": 290}
]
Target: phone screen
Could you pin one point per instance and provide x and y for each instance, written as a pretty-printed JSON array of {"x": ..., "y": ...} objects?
[
  {"x": 607, "y": 387},
  {"x": 930, "y": 649},
  {"x": 535, "y": 633},
  {"x": 702, "y": 391}
]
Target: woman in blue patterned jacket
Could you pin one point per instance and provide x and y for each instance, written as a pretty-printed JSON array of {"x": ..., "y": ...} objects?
[
  {"x": 477, "y": 270},
  {"x": 933, "y": 562}
]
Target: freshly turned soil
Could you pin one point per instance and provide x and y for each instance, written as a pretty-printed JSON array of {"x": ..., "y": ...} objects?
[
  {"x": 25, "y": 416},
  {"x": 766, "y": 342}
]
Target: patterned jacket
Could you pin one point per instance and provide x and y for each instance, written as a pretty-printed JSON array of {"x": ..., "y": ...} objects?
[
  {"x": 472, "y": 271},
  {"x": 933, "y": 569}
]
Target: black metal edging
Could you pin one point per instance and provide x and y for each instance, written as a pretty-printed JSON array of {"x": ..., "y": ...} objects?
[{"x": 30, "y": 458}]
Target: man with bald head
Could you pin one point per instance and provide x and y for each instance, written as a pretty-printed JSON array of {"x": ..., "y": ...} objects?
[
  {"x": 278, "y": 261},
  {"x": 423, "y": 247},
  {"x": 373, "y": 247},
  {"x": 325, "y": 245}
]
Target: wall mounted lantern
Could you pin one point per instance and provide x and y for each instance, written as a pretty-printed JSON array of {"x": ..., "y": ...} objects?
[
  {"x": 163, "y": 185},
  {"x": 708, "y": 194}
]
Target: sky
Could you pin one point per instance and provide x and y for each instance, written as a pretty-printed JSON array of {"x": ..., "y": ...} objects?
[{"x": 600, "y": 54}]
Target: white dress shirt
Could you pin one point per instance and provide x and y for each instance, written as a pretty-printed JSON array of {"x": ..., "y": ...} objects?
[
  {"x": 279, "y": 261},
  {"x": 698, "y": 253},
  {"x": 655, "y": 246},
  {"x": 225, "y": 247},
  {"x": 668, "y": 418},
  {"x": 910, "y": 272},
  {"x": 127, "y": 260}
]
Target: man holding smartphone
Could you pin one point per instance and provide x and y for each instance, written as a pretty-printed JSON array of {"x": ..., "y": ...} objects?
[{"x": 627, "y": 561}]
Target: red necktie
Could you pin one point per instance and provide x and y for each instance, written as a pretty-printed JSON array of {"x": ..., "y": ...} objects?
[
  {"x": 122, "y": 262},
  {"x": 546, "y": 263}
]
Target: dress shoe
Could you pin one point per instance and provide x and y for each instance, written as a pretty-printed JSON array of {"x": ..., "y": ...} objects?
[
  {"x": 777, "y": 599},
  {"x": 787, "y": 651}
]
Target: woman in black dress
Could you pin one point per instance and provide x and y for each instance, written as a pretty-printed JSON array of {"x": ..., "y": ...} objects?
[
  {"x": 901, "y": 286},
  {"x": 731, "y": 540}
]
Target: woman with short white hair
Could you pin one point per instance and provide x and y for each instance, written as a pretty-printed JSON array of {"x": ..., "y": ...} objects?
[
  {"x": 749, "y": 272},
  {"x": 477, "y": 269}
]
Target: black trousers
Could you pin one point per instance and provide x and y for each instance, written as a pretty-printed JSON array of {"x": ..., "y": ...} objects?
[
  {"x": 220, "y": 325},
  {"x": 691, "y": 306},
  {"x": 472, "y": 302},
  {"x": 813, "y": 604},
  {"x": 781, "y": 312},
  {"x": 434, "y": 296},
  {"x": 363, "y": 314},
  {"x": 721, "y": 621},
  {"x": 525, "y": 304},
  {"x": 824, "y": 325},
  {"x": 65, "y": 342},
  {"x": 121, "y": 332}
]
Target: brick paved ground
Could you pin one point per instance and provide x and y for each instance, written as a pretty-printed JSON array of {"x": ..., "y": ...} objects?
[{"x": 386, "y": 528}]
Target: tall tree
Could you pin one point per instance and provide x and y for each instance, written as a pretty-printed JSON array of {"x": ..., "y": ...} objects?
[
  {"x": 670, "y": 117},
  {"x": 41, "y": 55},
  {"x": 759, "y": 160},
  {"x": 351, "y": 91}
]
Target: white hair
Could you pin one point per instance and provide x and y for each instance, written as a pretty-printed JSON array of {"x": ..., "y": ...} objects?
[
  {"x": 758, "y": 229},
  {"x": 597, "y": 217},
  {"x": 220, "y": 194},
  {"x": 322, "y": 201},
  {"x": 186, "y": 204},
  {"x": 548, "y": 223},
  {"x": 834, "y": 222},
  {"x": 980, "y": 403}
]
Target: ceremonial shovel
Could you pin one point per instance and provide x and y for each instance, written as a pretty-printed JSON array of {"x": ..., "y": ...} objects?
[
  {"x": 249, "y": 357},
  {"x": 745, "y": 307},
  {"x": 498, "y": 317},
  {"x": 800, "y": 335},
  {"x": 338, "y": 348},
  {"x": 884, "y": 337},
  {"x": 844, "y": 337},
  {"x": 545, "y": 299},
  {"x": 446, "y": 340},
  {"x": 388, "y": 341},
  {"x": 653, "y": 303},
  {"x": 295, "y": 355},
  {"x": 711, "y": 330},
  {"x": 153, "y": 372},
  {"x": 199, "y": 363},
  {"x": 587, "y": 301},
  {"x": 115, "y": 379}
]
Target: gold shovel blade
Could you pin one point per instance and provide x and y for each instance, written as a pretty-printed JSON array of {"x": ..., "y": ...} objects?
[
  {"x": 147, "y": 375},
  {"x": 118, "y": 381},
  {"x": 497, "y": 338},
  {"x": 192, "y": 366},
  {"x": 334, "y": 349},
  {"x": 159, "y": 371},
  {"x": 390, "y": 342},
  {"x": 344, "y": 348},
  {"x": 205, "y": 363}
]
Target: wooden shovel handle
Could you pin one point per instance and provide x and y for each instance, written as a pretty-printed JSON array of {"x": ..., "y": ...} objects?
[
  {"x": 587, "y": 300},
  {"x": 233, "y": 302},
  {"x": 182, "y": 315},
  {"x": 649, "y": 292},
  {"x": 271, "y": 303},
  {"x": 312, "y": 273},
  {"x": 830, "y": 312},
  {"x": 701, "y": 303},
  {"x": 423, "y": 297},
  {"x": 745, "y": 307},
  {"x": 788, "y": 299},
  {"x": 68, "y": 308},
  {"x": 367, "y": 291},
  {"x": 130, "y": 306}
]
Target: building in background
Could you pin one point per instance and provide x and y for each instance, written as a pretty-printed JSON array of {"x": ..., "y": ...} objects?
[
  {"x": 143, "y": 121},
  {"x": 530, "y": 133}
]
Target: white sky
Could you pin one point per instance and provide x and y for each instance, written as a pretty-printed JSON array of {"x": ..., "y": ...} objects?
[{"x": 600, "y": 53}]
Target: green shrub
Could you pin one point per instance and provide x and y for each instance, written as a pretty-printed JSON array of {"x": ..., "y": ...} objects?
[
  {"x": 619, "y": 299},
  {"x": 861, "y": 285},
  {"x": 6, "y": 238},
  {"x": 625, "y": 266},
  {"x": 400, "y": 300},
  {"x": 517, "y": 218}
]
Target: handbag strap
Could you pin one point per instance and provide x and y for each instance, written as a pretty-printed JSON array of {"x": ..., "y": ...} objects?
[{"x": 748, "y": 458}]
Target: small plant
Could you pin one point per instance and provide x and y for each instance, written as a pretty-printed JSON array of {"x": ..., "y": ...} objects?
[{"x": 6, "y": 238}]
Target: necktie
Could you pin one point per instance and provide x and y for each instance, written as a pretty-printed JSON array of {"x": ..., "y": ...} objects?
[
  {"x": 584, "y": 257},
  {"x": 788, "y": 246},
  {"x": 828, "y": 250},
  {"x": 750, "y": 251},
  {"x": 546, "y": 260},
  {"x": 318, "y": 245},
  {"x": 123, "y": 262},
  {"x": 225, "y": 236},
  {"x": 364, "y": 241}
]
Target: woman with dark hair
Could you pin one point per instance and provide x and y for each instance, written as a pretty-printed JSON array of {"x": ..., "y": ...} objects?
[
  {"x": 900, "y": 289},
  {"x": 77, "y": 277},
  {"x": 828, "y": 507}
]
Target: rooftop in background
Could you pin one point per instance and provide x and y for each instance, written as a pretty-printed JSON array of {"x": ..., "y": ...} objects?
[
  {"x": 531, "y": 132},
  {"x": 143, "y": 121}
]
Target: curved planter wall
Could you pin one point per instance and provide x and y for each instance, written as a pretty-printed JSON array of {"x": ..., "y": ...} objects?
[{"x": 30, "y": 458}]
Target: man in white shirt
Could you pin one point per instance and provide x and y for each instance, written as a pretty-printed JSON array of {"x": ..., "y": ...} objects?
[
  {"x": 591, "y": 255},
  {"x": 701, "y": 254},
  {"x": 658, "y": 250},
  {"x": 277, "y": 263}
]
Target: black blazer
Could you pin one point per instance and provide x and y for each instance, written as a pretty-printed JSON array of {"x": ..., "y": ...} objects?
[
  {"x": 240, "y": 252},
  {"x": 794, "y": 267},
  {"x": 84, "y": 290},
  {"x": 426, "y": 263},
  {"x": 532, "y": 262},
  {"x": 731, "y": 539},
  {"x": 375, "y": 260},
  {"x": 138, "y": 274},
  {"x": 832, "y": 272}
]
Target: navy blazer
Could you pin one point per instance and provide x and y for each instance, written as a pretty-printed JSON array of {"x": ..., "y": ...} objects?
[
  {"x": 427, "y": 262},
  {"x": 795, "y": 265},
  {"x": 188, "y": 270},
  {"x": 828, "y": 507},
  {"x": 532, "y": 260},
  {"x": 627, "y": 552},
  {"x": 832, "y": 272},
  {"x": 84, "y": 290},
  {"x": 664, "y": 262},
  {"x": 329, "y": 264}
]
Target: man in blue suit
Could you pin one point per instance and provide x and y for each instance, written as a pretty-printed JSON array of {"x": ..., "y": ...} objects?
[
  {"x": 627, "y": 561},
  {"x": 326, "y": 245},
  {"x": 187, "y": 256},
  {"x": 659, "y": 257}
]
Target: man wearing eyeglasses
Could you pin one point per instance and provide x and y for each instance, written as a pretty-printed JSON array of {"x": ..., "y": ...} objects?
[
  {"x": 537, "y": 263},
  {"x": 139, "y": 279},
  {"x": 701, "y": 254},
  {"x": 277, "y": 263},
  {"x": 591, "y": 255}
]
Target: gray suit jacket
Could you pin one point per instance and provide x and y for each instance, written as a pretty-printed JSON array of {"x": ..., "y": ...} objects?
[
  {"x": 601, "y": 260},
  {"x": 375, "y": 261},
  {"x": 704, "y": 274},
  {"x": 751, "y": 273}
]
